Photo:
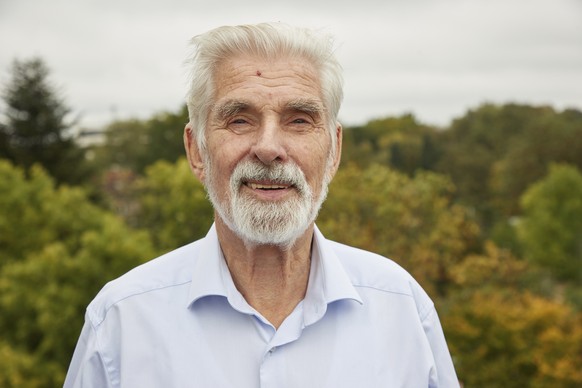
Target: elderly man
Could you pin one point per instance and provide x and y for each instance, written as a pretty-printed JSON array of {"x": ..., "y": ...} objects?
[{"x": 264, "y": 300}]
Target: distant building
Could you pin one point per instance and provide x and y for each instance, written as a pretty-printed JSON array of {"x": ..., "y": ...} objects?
[{"x": 87, "y": 138}]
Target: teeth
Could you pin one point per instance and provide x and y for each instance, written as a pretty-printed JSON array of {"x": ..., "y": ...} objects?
[{"x": 265, "y": 187}]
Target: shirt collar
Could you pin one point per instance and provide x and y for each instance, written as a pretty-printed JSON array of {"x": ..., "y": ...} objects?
[
  {"x": 328, "y": 281},
  {"x": 211, "y": 276},
  {"x": 209, "y": 268}
]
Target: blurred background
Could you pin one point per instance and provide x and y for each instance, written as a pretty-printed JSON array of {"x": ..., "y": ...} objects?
[{"x": 462, "y": 162}]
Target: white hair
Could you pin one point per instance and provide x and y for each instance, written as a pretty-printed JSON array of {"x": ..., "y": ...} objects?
[{"x": 269, "y": 40}]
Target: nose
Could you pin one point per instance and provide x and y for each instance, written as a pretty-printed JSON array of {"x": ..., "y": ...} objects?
[{"x": 270, "y": 144}]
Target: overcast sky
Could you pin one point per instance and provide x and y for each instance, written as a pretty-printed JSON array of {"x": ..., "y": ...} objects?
[{"x": 436, "y": 59}]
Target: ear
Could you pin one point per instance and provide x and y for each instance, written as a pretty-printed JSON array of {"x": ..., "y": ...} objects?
[
  {"x": 338, "y": 151},
  {"x": 194, "y": 156}
]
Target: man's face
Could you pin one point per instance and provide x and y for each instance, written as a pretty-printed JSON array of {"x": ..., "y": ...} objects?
[{"x": 268, "y": 161}]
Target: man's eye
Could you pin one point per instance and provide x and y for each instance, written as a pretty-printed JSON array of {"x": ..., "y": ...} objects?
[
  {"x": 238, "y": 121},
  {"x": 300, "y": 120},
  {"x": 240, "y": 125}
]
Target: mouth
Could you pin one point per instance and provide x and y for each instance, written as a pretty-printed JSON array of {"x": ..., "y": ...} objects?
[{"x": 267, "y": 186}]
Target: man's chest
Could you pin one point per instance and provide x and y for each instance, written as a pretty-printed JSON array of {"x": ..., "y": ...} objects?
[{"x": 221, "y": 347}]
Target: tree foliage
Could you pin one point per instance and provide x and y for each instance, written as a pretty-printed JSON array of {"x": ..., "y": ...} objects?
[
  {"x": 168, "y": 202},
  {"x": 401, "y": 142},
  {"x": 551, "y": 228},
  {"x": 504, "y": 335},
  {"x": 172, "y": 205},
  {"x": 552, "y": 138},
  {"x": 57, "y": 250},
  {"x": 494, "y": 153},
  {"x": 136, "y": 144},
  {"x": 514, "y": 340},
  {"x": 411, "y": 220},
  {"x": 36, "y": 127}
]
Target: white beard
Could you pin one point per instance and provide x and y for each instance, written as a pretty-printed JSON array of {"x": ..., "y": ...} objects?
[{"x": 258, "y": 222}]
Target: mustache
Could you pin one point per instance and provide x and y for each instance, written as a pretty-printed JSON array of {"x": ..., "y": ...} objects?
[{"x": 278, "y": 173}]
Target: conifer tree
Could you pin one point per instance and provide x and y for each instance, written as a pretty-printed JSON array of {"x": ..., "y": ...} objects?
[{"x": 35, "y": 127}]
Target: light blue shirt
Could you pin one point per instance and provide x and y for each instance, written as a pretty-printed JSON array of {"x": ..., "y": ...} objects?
[{"x": 179, "y": 321}]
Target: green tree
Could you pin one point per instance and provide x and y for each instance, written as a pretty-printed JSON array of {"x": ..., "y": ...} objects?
[
  {"x": 36, "y": 129},
  {"x": 166, "y": 131},
  {"x": 136, "y": 144},
  {"x": 57, "y": 250},
  {"x": 124, "y": 146},
  {"x": 503, "y": 335},
  {"x": 552, "y": 138},
  {"x": 411, "y": 220},
  {"x": 172, "y": 205},
  {"x": 35, "y": 213},
  {"x": 17, "y": 369},
  {"x": 493, "y": 153},
  {"x": 551, "y": 228},
  {"x": 399, "y": 142},
  {"x": 507, "y": 340}
]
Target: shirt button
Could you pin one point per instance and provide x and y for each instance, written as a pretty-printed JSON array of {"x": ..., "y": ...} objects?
[{"x": 272, "y": 350}]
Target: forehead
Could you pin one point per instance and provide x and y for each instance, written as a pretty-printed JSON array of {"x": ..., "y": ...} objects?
[{"x": 261, "y": 79}]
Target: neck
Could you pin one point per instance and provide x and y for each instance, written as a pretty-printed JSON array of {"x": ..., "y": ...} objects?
[{"x": 272, "y": 279}]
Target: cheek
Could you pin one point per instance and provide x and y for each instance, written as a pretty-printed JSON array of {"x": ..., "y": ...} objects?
[
  {"x": 316, "y": 174},
  {"x": 224, "y": 158}
]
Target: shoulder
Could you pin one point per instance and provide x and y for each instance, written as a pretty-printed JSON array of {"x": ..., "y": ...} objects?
[
  {"x": 171, "y": 270},
  {"x": 368, "y": 269},
  {"x": 380, "y": 275}
]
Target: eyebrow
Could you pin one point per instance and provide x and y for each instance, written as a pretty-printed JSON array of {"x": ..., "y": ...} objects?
[
  {"x": 230, "y": 108},
  {"x": 309, "y": 106}
]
